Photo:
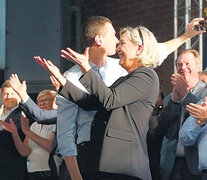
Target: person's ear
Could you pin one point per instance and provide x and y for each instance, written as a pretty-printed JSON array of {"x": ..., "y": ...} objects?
[
  {"x": 98, "y": 40},
  {"x": 139, "y": 49},
  {"x": 199, "y": 67}
]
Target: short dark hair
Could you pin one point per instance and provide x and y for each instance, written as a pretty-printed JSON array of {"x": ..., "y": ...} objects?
[{"x": 92, "y": 27}]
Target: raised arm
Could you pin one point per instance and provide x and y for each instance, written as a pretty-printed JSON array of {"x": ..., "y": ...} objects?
[
  {"x": 39, "y": 115},
  {"x": 44, "y": 143},
  {"x": 190, "y": 32},
  {"x": 79, "y": 59},
  {"x": 29, "y": 106},
  {"x": 55, "y": 83},
  {"x": 18, "y": 87},
  {"x": 138, "y": 87},
  {"x": 52, "y": 69},
  {"x": 86, "y": 101}
]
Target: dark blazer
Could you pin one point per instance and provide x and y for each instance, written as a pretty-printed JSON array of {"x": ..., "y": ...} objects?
[
  {"x": 169, "y": 125},
  {"x": 12, "y": 165},
  {"x": 129, "y": 102}
]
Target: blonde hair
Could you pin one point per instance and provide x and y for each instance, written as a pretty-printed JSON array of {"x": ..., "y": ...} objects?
[
  {"x": 47, "y": 92},
  {"x": 6, "y": 84},
  {"x": 194, "y": 52},
  {"x": 142, "y": 36}
]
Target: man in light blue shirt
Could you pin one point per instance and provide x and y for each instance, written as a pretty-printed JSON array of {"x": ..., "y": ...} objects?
[
  {"x": 194, "y": 133},
  {"x": 74, "y": 120},
  {"x": 73, "y": 124}
]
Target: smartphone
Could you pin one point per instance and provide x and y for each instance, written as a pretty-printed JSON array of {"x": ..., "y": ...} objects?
[{"x": 203, "y": 24}]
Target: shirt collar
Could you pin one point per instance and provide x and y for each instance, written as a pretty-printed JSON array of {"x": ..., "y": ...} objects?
[
  {"x": 4, "y": 116},
  {"x": 97, "y": 68}
]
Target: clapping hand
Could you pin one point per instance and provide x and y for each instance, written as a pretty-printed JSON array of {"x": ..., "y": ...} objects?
[
  {"x": 198, "y": 111},
  {"x": 81, "y": 60},
  {"x": 25, "y": 124},
  {"x": 10, "y": 127},
  {"x": 55, "y": 82},
  {"x": 175, "y": 96},
  {"x": 54, "y": 70},
  {"x": 40, "y": 61},
  {"x": 179, "y": 84}
]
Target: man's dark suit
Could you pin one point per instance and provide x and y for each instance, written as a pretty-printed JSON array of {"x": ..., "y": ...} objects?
[
  {"x": 129, "y": 103},
  {"x": 169, "y": 125},
  {"x": 12, "y": 165}
]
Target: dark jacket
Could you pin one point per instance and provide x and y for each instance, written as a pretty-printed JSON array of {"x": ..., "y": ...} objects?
[
  {"x": 12, "y": 164},
  {"x": 126, "y": 108},
  {"x": 169, "y": 126}
]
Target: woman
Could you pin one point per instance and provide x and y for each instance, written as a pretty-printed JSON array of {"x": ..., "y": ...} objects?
[
  {"x": 125, "y": 107},
  {"x": 38, "y": 141}
]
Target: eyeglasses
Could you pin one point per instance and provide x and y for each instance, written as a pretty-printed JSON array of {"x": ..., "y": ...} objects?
[{"x": 44, "y": 100}]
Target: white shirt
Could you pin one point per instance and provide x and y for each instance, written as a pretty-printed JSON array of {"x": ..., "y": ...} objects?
[{"x": 38, "y": 158}]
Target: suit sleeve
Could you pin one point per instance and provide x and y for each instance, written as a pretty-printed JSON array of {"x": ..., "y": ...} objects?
[
  {"x": 85, "y": 101},
  {"x": 136, "y": 87},
  {"x": 189, "y": 98},
  {"x": 166, "y": 118},
  {"x": 39, "y": 115}
]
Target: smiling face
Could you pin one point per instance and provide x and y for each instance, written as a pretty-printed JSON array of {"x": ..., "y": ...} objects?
[
  {"x": 188, "y": 68},
  {"x": 45, "y": 102},
  {"x": 9, "y": 98},
  {"x": 127, "y": 52}
]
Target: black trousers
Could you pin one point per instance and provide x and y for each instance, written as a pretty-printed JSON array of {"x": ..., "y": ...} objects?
[
  {"x": 181, "y": 172},
  {"x": 40, "y": 175}
]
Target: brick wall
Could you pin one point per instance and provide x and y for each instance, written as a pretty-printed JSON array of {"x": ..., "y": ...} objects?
[{"x": 156, "y": 15}]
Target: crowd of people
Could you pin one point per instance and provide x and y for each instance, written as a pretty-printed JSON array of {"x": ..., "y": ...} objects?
[{"x": 109, "y": 119}]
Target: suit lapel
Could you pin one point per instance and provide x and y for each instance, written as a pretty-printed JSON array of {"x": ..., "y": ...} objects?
[{"x": 15, "y": 115}]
